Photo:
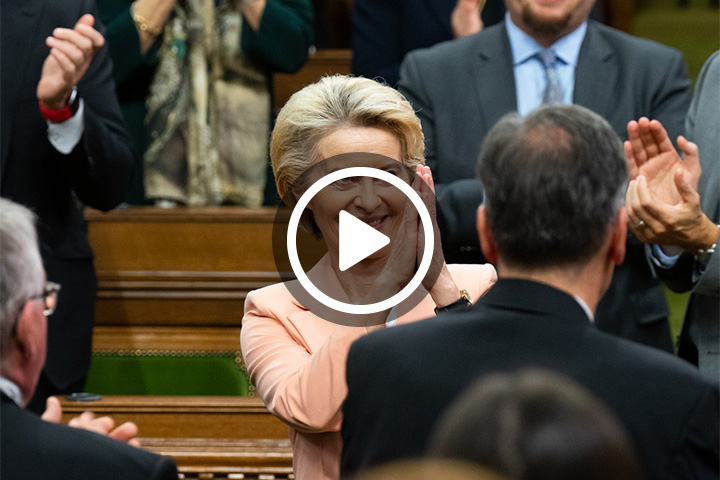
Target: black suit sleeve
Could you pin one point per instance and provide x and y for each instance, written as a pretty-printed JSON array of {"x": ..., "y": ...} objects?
[
  {"x": 356, "y": 438},
  {"x": 457, "y": 203},
  {"x": 100, "y": 167},
  {"x": 697, "y": 452}
]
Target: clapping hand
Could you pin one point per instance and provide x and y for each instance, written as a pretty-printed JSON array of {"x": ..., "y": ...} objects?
[
  {"x": 71, "y": 51},
  {"x": 662, "y": 200},
  {"x": 87, "y": 421}
]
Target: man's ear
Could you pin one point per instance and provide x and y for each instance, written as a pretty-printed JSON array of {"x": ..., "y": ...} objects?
[
  {"x": 22, "y": 340},
  {"x": 487, "y": 243},
  {"x": 616, "y": 253}
]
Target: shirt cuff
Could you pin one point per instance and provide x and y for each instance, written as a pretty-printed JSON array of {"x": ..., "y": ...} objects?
[
  {"x": 662, "y": 260},
  {"x": 66, "y": 135}
]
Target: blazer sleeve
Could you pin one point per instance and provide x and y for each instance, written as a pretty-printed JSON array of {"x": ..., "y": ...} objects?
[
  {"x": 100, "y": 166},
  {"x": 303, "y": 388},
  {"x": 285, "y": 35},
  {"x": 124, "y": 42},
  {"x": 377, "y": 50}
]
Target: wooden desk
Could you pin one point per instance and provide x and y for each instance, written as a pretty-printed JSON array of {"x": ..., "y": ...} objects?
[{"x": 209, "y": 437}]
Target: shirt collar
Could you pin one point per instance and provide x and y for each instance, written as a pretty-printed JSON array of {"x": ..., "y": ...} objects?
[
  {"x": 585, "y": 308},
  {"x": 524, "y": 47},
  {"x": 11, "y": 390}
]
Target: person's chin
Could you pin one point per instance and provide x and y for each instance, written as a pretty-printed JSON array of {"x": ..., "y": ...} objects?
[{"x": 546, "y": 22}]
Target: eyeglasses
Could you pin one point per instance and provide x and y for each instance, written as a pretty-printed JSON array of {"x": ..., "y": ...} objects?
[{"x": 49, "y": 297}]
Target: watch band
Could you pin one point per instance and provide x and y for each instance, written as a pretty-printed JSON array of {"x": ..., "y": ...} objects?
[
  {"x": 65, "y": 113},
  {"x": 464, "y": 301},
  {"x": 704, "y": 254}
]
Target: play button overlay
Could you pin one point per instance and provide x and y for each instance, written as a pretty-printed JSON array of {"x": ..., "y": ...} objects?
[
  {"x": 354, "y": 235},
  {"x": 358, "y": 241}
]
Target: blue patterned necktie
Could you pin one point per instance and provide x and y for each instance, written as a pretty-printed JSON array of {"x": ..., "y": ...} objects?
[{"x": 553, "y": 90}]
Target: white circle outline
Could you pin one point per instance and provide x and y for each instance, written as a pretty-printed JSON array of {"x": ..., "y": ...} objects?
[{"x": 295, "y": 222}]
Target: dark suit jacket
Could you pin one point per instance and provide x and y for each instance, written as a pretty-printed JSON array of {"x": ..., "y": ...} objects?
[
  {"x": 462, "y": 88},
  {"x": 401, "y": 379},
  {"x": 384, "y": 31},
  {"x": 96, "y": 173},
  {"x": 33, "y": 449}
]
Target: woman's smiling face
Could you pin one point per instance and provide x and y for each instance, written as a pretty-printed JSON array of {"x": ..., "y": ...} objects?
[{"x": 373, "y": 201}]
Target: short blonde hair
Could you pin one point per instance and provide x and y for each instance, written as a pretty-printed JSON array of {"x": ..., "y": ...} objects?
[{"x": 333, "y": 103}]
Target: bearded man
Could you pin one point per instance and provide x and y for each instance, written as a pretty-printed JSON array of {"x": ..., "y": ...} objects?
[{"x": 546, "y": 51}]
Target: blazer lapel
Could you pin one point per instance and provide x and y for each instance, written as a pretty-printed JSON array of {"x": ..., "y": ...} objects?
[
  {"x": 597, "y": 71},
  {"x": 19, "y": 20},
  {"x": 493, "y": 76}
]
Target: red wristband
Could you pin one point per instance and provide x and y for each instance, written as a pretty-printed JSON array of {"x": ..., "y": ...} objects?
[
  {"x": 55, "y": 116},
  {"x": 58, "y": 116}
]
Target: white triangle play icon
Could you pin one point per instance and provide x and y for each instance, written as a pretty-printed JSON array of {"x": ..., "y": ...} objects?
[{"x": 358, "y": 240}]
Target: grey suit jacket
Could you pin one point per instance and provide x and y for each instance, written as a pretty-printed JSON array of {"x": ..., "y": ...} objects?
[
  {"x": 461, "y": 88},
  {"x": 700, "y": 337}
]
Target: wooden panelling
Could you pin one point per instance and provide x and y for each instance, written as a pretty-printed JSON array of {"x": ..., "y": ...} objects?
[
  {"x": 182, "y": 239},
  {"x": 209, "y": 437},
  {"x": 320, "y": 62},
  {"x": 204, "y": 458},
  {"x": 194, "y": 338},
  {"x": 187, "y": 416},
  {"x": 183, "y": 266}
]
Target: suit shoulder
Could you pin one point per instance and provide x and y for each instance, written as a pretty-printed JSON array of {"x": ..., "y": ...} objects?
[
  {"x": 264, "y": 297},
  {"x": 274, "y": 301},
  {"x": 43, "y": 448},
  {"x": 651, "y": 362},
  {"x": 453, "y": 51}
]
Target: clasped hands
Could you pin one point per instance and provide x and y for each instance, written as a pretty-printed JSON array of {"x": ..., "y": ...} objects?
[{"x": 662, "y": 200}]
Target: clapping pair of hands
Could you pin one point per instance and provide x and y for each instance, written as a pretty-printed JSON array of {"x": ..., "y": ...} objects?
[
  {"x": 88, "y": 421},
  {"x": 662, "y": 200}
]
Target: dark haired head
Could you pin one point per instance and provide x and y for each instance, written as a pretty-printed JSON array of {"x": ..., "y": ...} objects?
[
  {"x": 535, "y": 425},
  {"x": 554, "y": 182}
]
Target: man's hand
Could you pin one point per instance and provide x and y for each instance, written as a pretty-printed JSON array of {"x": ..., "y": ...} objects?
[
  {"x": 650, "y": 152},
  {"x": 87, "y": 421},
  {"x": 71, "y": 52},
  {"x": 465, "y": 17},
  {"x": 662, "y": 200}
]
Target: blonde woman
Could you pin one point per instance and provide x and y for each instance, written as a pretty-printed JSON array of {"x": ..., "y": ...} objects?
[{"x": 295, "y": 358}]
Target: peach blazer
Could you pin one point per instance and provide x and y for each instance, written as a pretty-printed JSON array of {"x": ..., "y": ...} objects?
[{"x": 296, "y": 360}]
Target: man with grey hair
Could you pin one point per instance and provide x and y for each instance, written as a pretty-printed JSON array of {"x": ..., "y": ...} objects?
[
  {"x": 554, "y": 223},
  {"x": 31, "y": 447}
]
